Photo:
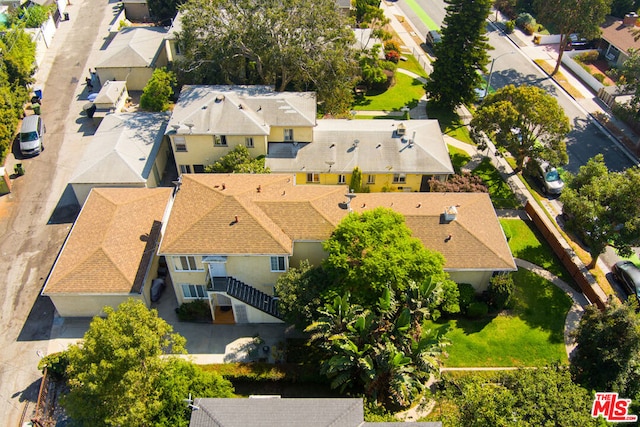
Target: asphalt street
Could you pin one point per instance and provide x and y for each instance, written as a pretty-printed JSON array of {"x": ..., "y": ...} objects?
[{"x": 37, "y": 215}]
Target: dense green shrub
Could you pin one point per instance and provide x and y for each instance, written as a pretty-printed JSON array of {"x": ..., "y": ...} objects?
[
  {"x": 527, "y": 23},
  {"x": 390, "y": 45},
  {"x": 56, "y": 364},
  {"x": 509, "y": 26},
  {"x": 588, "y": 56},
  {"x": 477, "y": 309},
  {"x": 195, "y": 311},
  {"x": 599, "y": 77},
  {"x": 500, "y": 291},
  {"x": 267, "y": 372},
  {"x": 467, "y": 296}
]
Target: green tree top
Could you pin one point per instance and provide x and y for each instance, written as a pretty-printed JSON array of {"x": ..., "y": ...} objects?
[
  {"x": 238, "y": 160},
  {"x": 461, "y": 54},
  {"x": 374, "y": 251},
  {"x": 118, "y": 376},
  {"x": 525, "y": 120},
  {"x": 157, "y": 94},
  {"x": 604, "y": 207}
]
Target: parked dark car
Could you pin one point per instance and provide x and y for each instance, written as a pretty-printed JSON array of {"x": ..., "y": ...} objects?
[
  {"x": 433, "y": 38},
  {"x": 628, "y": 274},
  {"x": 157, "y": 287},
  {"x": 579, "y": 43}
]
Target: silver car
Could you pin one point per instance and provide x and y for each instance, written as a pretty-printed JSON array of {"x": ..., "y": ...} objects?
[
  {"x": 550, "y": 178},
  {"x": 31, "y": 135}
]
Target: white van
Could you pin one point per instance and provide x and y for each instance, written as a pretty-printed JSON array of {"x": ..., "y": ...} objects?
[{"x": 31, "y": 135}]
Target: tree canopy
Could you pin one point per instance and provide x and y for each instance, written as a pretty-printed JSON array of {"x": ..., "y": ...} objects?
[
  {"x": 158, "y": 91},
  {"x": 572, "y": 16},
  {"x": 374, "y": 251},
  {"x": 238, "y": 160},
  {"x": 631, "y": 79},
  {"x": 117, "y": 376},
  {"x": 544, "y": 396},
  {"x": 291, "y": 44},
  {"x": 607, "y": 357},
  {"x": 525, "y": 120},
  {"x": 603, "y": 207},
  {"x": 461, "y": 55},
  {"x": 164, "y": 10}
]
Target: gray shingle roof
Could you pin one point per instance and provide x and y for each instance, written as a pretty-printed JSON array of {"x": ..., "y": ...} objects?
[
  {"x": 133, "y": 47},
  {"x": 240, "y": 110},
  {"x": 379, "y": 149},
  {"x": 123, "y": 149}
]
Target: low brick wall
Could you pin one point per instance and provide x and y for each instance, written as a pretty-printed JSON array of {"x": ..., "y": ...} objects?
[{"x": 568, "y": 257}]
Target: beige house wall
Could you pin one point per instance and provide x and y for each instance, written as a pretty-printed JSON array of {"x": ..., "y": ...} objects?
[
  {"x": 136, "y": 77},
  {"x": 479, "y": 279},
  {"x": 89, "y": 305},
  {"x": 311, "y": 251},
  {"x": 257, "y": 316}
]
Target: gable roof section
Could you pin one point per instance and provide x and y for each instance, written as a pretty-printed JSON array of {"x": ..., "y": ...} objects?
[
  {"x": 133, "y": 47},
  {"x": 123, "y": 149},
  {"x": 111, "y": 242},
  {"x": 202, "y": 219},
  {"x": 619, "y": 35},
  {"x": 379, "y": 149},
  {"x": 240, "y": 110}
]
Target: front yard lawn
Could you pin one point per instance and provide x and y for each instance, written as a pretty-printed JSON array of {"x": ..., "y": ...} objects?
[
  {"x": 407, "y": 91},
  {"x": 450, "y": 123},
  {"x": 530, "y": 334},
  {"x": 526, "y": 242},
  {"x": 459, "y": 157},
  {"x": 500, "y": 192}
]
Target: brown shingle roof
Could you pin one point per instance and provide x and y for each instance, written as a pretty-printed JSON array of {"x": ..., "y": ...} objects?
[
  {"x": 619, "y": 35},
  {"x": 202, "y": 219},
  {"x": 110, "y": 244}
]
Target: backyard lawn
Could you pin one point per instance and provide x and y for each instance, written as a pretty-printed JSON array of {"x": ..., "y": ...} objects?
[
  {"x": 406, "y": 91},
  {"x": 530, "y": 334}
]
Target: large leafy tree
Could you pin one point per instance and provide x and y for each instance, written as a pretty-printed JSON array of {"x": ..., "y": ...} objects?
[
  {"x": 374, "y": 251},
  {"x": 525, "y": 120},
  {"x": 630, "y": 72},
  {"x": 289, "y": 44},
  {"x": 607, "y": 357},
  {"x": 238, "y": 160},
  {"x": 164, "y": 10},
  {"x": 18, "y": 55},
  {"x": 603, "y": 207},
  {"x": 461, "y": 55},
  {"x": 572, "y": 16},
  {"x": 526, "y": 398},
  {"x": 118, "y": 377}
]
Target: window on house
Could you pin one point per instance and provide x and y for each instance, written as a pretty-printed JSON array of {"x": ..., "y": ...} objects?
[
  {"x": 185, "y": 168},
  {"x": 181, "y": 144},
  {"x": 371, "y": 179},
  {"x": 342, "y": 179},
  {"x": 185, "y": 263},
  {"x": 198, "y": 168},
  {"x": 194, "y": 291},
  {"x": 288, "y": 134},
  {"x": 248, "y": 141},
  {"x": 220, "y": 140},
  {"x": 399, "y": 178},
  {"x": 278, "y": 263},
  {"x": 313, "y": 177}
]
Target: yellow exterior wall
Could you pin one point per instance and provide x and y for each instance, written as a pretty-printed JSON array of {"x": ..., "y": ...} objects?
[
  {"x": 257, "y": 316},
  {"x": 88, "y": 305},
  {"x": 253, "y": 270},
  {"x": 311, "y": 251},
  {"x": 383, "y": 182},
  {"x": 202, "y": 151},
  {"x": 300, "y": 134}
]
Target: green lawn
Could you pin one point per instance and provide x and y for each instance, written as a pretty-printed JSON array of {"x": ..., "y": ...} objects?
[
  {"x": 459, "y": 157},
  {"x": 407, "y": 91},
  {"x": 501, "y": 194},
  {"x": 412, "y": 64},
  {"x": 526, "y": 242},
  {"x": 531, "y": 334},
  {"x": 450, "y": 123}
]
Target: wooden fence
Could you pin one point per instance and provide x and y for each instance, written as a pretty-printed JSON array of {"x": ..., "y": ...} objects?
[{"x": 569, "y": 259}]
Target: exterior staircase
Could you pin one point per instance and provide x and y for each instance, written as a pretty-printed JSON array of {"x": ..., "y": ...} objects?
[{"x": 248, "y": 295}]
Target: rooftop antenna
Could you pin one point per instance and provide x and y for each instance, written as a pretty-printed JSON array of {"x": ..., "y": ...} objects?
[
  {"x": 190, "y": 126},
  {"x": 190, "y": 403},
  {"x": 330, "y": 163},
  {"x": 350, "y": 196}
]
